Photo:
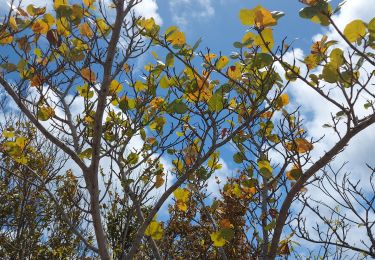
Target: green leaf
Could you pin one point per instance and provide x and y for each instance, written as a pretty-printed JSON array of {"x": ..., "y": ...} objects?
[
  {"x": 9, "y": 67},
  {"x": 196, "y": 45},
  {"x": 215, "y": 104},
  {"x": 164, "y": 82},
  {"x": 355, "y": 30},
  {"x": 237, "y": 45},
  {"x": 238, "y": 157},
  {"x": 265, "y": 168},
  {"x": 132, "y": 158},
  {"x": 169, "y": 60},
  {"x": 86, "y": 154},
  {"x": 262, "y": 60},
  {"x": 139, "y": 86},
  {"x": 371, "y": 26},
  {"x": 158, "y": 124},
  {"x": 178, "y": 107},
  {"x": 330, "y": 73},
  {"x": 317, "y": 13},
  {"x": 336, "y": 57}
]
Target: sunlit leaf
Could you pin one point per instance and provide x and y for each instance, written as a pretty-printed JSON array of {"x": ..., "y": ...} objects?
[
  {"x": 88, "y": 75},
  {"x": 155, "y": 230},
  {"x": 355, "y": 30},
  {"x": 265, "y": 168},
  {"x": 294, "y": 174},
  {"x": 86, "y": 30},
  {"x": 115, "y": 87},
  {"x": 222, "y": 62},
  {"x": 234, "y": 72},
  {"x": 45, "y": 113},
  {"x": 175, "y": 36},
  {"x": 40, "y": 27},
  {"x": 86, "y": 154},
  {"x": 265, "y": 40},
  {"x": 300, "y": 145}
]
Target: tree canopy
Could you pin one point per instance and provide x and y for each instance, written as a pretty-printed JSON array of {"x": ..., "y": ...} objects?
[{"x": 93, "y": 147}]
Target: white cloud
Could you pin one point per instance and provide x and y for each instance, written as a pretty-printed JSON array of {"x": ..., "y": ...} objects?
[
  {"x": 316, "y": 112},
  {"x": 149, "y": 8},
  {"x": 185, "y": 10}
]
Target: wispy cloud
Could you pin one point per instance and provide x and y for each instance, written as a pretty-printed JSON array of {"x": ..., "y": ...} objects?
[{"x": 185, "y": 10}]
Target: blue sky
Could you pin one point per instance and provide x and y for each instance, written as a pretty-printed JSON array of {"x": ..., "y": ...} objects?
[{"x": 218, "y": 24}]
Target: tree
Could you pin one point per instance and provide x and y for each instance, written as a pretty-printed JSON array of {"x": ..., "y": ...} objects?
[{"x": 71, "y": 73}]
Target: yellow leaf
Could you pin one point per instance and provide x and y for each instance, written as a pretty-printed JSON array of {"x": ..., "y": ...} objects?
[
  {"x": 234, "y": 72},
  {"x": 182, "y": 206},
  {"x": 115, "y": 87},
  {"x": 58, "y": 3},
  {"x": 218, "y": 239},
  {"x": 157, "y": 102},
  {"x": 34, "y": 11},
  {"x": 13, "y": 23},
  {"x": 247, "y": 16},
  {"x": 204, "y": 87},
  {"x": 147, "y": 24},
  {"x": 282, "y": 101},
  {"x": 247, "y": 37},
  {"x": 5, "y": 38},
  {"x": 139, "y": 86},
  {"x": 85, "y": 30},
  {"x": 267, "y": 40},
  {"x": 265, "y": 168},
  {"x": 263, "y": 18},
  {"x": 181, "y": 194},
  {"x": 21, "y": 160},
  {"x": 176, "y": 38},
  {"x": 8, "y": 134},
  {"x": 155, "y": 230},
  {"x": 126, "y": 68},
  {"x": 102, "y": 25},
  {"x": 164, "y": 82},
  {"x": 209, "y": 57},
  {"x": 88, "y": 75},
  {"x": 62, "y": 26},
  {"x": 45, "y": 113},
  {"x": 222, "y": 62},
  {"x": 178, "y": 164},
  {"x": 49, "y": 19},
  {"x": 300, "y": 145},
  {"x": 40, "y": 27},
  {"x": 21, "y": 142},
  {"x": 355, "y": 30}
]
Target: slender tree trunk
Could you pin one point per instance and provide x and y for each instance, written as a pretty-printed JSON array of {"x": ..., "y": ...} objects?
[
  {"x": 264, "y": 196},
  {"x": 100, "y": 235}
]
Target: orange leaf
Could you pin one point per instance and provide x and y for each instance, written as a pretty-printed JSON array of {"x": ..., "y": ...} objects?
[
  {"x": 300, "y": 145},
  {"x": 88, "y": 75},
  {"x": 225, "y": 223}
]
